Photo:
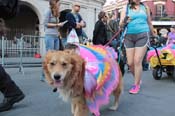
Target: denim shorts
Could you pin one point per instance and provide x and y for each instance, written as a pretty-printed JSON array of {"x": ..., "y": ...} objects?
[
  {"x": 52, "y": 42},
  {"x": 136, "y": 40}
]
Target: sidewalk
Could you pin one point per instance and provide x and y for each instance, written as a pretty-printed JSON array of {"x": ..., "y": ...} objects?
[
  {"x": 25, "y": 59},
  {"x": 157, "y": 98}
]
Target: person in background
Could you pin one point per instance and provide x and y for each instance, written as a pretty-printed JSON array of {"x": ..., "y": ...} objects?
[
  {"x": 137, "y": 38},
  {"x": 51, "y": 22},
  {"x": 75, "y": 21},
  {"x": 163, "y": 36},
  {"x": 112, "y": 28},
  {"x": 171, "y": 35},
  {"x": 163, "y": 39},
  {"x": 12, "y": 93},
  {"x": 100, "y": 30}
]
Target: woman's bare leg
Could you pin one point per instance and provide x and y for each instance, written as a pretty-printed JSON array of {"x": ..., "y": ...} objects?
[
  {"x": 138, "y": 58},
  {"x": 130, "y": 59}
]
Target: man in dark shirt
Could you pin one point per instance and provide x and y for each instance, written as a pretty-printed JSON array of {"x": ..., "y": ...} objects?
[
  {"x": 75, "y": 21},
  {"x": 12, "y": 93}
]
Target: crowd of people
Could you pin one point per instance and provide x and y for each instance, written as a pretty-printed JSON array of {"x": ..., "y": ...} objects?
[{"x": 136, "y": 40}]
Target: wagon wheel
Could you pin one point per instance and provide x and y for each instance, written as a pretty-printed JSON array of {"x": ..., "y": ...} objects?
[
  {"x": 169, "y": 74},
  {"x": 173, "y": 74},
  {"x": 169, "y": 71},
  {"x": 157, "y": 73}
]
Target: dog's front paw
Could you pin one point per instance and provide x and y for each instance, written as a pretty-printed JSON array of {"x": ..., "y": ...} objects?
[{"x": 114, "y": 108}]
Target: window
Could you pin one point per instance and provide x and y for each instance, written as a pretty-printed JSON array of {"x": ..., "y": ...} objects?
[{"x": 160, "y": 10}]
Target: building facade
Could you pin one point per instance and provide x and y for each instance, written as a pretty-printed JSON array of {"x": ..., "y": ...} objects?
[
  {"x": 30, "y": 17},
  {"x": 162, "y": 11},
  {"x": 31, "y": 13}
]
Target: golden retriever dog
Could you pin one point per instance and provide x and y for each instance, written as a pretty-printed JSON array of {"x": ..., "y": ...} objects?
[{"x": 65, "y": 70}]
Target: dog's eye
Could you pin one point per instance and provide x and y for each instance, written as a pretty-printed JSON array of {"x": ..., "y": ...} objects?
[
  {"x": 64, "y": 64},
  {"x": 52, "y": 63}
]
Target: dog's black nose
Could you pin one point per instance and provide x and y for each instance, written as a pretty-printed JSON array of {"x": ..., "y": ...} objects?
[{"x": 57, "y": 77}]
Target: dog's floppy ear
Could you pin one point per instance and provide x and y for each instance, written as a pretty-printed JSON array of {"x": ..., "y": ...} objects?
[
  {"x": 70, "y": 51},
  {"x": 77, "y": 75},
  {"x": 45, "y": 63}
]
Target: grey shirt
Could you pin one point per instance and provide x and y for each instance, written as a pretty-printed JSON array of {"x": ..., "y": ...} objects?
[
  {"x": 112, "y": 28},
  {"x": 49, "y": 18}
]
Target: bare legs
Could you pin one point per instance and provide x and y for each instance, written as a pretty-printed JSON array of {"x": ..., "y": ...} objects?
[{"x": 135, "y": 57}]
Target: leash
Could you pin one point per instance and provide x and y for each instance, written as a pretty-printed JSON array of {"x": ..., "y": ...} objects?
[
  {"x": 121, "y": 42},
  {"x": 113, "y": 37},
  {"x": 121, "y": 37}
]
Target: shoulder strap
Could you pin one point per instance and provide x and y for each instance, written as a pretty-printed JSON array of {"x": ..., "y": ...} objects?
[
  {"x": 127, "y": 7},
  {"x": 146, "y": 9},
  {"x": 126, "y": 15}
]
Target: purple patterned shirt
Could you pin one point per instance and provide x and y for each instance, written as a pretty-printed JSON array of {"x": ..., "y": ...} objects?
[{"x": 171, "y": 35}]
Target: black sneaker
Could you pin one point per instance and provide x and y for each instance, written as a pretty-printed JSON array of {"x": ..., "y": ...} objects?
[{"x": 7, "y": 103}]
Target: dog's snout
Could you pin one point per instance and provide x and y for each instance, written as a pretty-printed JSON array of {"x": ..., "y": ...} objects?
[{"x": 57, "y": 77}]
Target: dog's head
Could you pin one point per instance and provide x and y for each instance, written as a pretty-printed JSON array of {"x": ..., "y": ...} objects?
[{"x": 64, "y": 69}]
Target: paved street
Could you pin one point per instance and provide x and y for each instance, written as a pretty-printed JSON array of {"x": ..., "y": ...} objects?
[{"x": 157, "y": 98}]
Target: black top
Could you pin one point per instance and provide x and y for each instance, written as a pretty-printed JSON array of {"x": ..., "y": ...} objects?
[
  {"x": 8, "y": 8},
  {"x": 72, "y": 22},
  {"x": 100, "y": 33}
]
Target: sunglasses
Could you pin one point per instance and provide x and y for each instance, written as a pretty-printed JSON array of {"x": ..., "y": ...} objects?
[{"x": 77, "y": 6}]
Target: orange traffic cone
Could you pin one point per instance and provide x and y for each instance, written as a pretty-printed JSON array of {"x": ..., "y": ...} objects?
[{"x": 37, "y": 55}]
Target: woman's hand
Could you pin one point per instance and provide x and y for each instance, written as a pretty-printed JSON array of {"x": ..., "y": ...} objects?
[
  {"x": 153, "y": 34},
  {"x": 78, "y": 26},
  {"x": 125, "y": 22},
  {"x": 60, "y": 25},
  {"x": 128, "y": 19},
  {"x": 82, "y": 23}
]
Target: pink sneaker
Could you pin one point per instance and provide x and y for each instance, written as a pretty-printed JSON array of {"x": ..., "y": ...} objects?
[{"x": 134, "y": 89}]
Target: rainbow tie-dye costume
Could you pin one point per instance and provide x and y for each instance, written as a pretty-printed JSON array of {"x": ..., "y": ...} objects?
[
  {"x": 101, "y": 77},
  {"x": 166, "y": 55}
]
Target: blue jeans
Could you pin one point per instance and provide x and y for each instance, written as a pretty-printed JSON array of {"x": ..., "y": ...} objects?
[
  {"x": 52, "y": 43},
  {"x": 64, "y": 41}
]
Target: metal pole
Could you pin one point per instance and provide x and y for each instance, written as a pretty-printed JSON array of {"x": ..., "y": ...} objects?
[
  {"x": 95, "y": 14},
  {"x": 161, "y": 11},
  {"x": 21, "y": 54},
  {"x": 2, "y": 50}
]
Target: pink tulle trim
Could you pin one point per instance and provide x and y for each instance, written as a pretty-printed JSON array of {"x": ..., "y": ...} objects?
[{"x": 106, "y": 97}]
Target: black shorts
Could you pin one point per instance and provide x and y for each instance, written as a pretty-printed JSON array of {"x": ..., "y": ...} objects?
[{"x": 136, "y": 40}]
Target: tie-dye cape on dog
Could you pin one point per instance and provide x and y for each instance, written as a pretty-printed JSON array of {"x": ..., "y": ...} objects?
[{"x": 101, "y": 77}]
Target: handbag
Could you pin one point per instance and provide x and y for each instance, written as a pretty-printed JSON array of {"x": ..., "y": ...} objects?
[{"x": 73, "y": 37}]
